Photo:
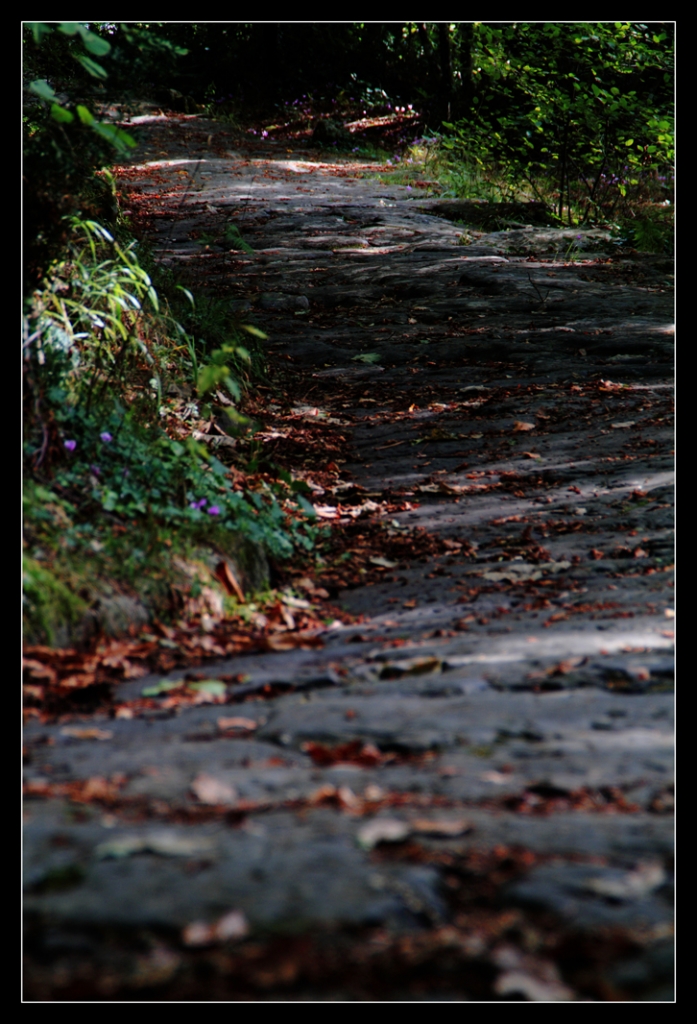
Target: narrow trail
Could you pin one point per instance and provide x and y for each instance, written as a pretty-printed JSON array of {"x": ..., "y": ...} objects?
[{"x": 468, "y": 795}]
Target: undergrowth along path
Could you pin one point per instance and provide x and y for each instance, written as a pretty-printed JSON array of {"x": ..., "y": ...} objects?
[{"x": 467, "y": 793}]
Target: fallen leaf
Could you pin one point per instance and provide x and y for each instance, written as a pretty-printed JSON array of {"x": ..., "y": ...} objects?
[
  {"x": 410, "y": 667},
  {"x": 385, "y": 562},
  {"x": 623, "y": 426},
  {"x": 534, "y": 989},
  {"x": 212, "y": 686},
  {"x": 79, "y": 681},
  {"x": 322, "y": 793},
  {"x": 297, "y": 602},
  {"x": 210, "y": 790},
  {"x": 198, "y": 933},
  {"x": 326, "y": 511},
  {"x": 354, "y": 752},
  {"x": 410, "y": 604},
  {"x": 497, "y": 778},
  {"x": 37, "y": 670},
  {"x": 349, "y": 801},
  {"x": 237, "y": 723},
  {"x": 521, "y": 425},
  {"x": 631, "y": 885},
  {"x": 367, "y": 357},
  {"x": 382, "y": 830},
  {"x": 287, "y": 641},
  {"x": 86, "y": 734},
  {"x": 233, "y": 925},
  {"x": 445, "y": 827},
  {"x": 164, "y": 686},
  {"x": 523, "y": 570},
  {"x": 96, "y": 787},
  {"x": 373, "y": 792},
  {"x": 224, "y": 573},
  {"x": 167, "y": 844}
]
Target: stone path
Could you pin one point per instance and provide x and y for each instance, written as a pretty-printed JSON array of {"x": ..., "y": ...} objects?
[{"x": 498, "y": 825}]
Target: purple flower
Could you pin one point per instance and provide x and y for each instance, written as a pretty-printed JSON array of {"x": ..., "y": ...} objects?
[
  {"x": 95, "y": 469},
  {"x": 408, "y": 188},
  {"x": 70, "y": 445},
  {"x": 198, "y": 504},
  {"x": 214, "y": 510},
  {"x": 106, "y": 437}
]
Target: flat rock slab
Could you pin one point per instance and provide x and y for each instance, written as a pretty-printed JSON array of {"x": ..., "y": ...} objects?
[{"x": 483, "y": 765}]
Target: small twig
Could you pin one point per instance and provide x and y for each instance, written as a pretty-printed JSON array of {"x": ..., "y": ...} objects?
[
  {"x": 187, "y": 192},
  {"x": 539, "y": 293}
]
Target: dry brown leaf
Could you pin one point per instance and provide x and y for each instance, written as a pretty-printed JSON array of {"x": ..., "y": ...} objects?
[
  {"x": 382, "y": 830},
  {"x": 37, "y": 670},
  {"x": 77, "y": 733},
  {"x": 233, "y": 925},
  {"x": 76, "y": 682},
  {"x": 444, "y": 827},
  {"x": 209, "y": 790},
  {"x": 237, "y": 723},
  {"x": 225, "y": 575}
]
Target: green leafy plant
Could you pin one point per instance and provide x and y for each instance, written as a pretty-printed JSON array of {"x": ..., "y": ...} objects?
[
  {"x": 580, "y": 114},
  {"x": 107, "y": 486},
  {"x": 95, "y": 46}
]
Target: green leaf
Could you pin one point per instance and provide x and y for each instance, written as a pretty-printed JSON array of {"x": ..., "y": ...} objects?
[
  {"x": 61, "y": 114},
  {"x": 69, "y": 28},
  {"x": 39, "y": 30},
  {"x": 367, "y": 357},
  {"x": 95, "y": 44},
  {"x": 85, "y": 116},
  {"x": 42, "y": 89},
  {"x": 164, "y": 686},
  {"x": 119, "y": 139},
  {"x": 91, "y": 66},
  {"x": 187, "y": 293},
  {"x": 213, "y": 686},
  {"x": 254, "y": 331},
  {"x": 629, "y": 142},
  {"x": 210, "y": 376},
  {"x": 307, "y": 508}
]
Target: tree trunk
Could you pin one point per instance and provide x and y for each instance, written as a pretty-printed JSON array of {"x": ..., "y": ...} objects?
[
  {"x": 446, "y": 75},
  {"x": 462, "y": 101}
]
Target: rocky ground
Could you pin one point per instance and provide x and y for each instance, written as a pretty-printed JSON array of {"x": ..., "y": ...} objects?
[{"x": 467, "y": 794}]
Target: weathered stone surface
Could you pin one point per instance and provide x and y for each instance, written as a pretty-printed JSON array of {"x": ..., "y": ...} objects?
[{"x": 546, "y": 720}]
